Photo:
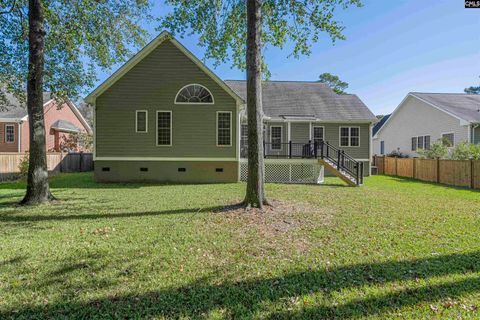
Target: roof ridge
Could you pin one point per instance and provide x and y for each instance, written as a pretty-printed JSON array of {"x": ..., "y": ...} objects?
[
  {"x": 449, "y": 93},
  {"x": 296, "y": 81}
]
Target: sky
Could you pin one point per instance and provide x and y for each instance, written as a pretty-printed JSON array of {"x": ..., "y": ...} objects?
[{"x": 391, "y": 48}]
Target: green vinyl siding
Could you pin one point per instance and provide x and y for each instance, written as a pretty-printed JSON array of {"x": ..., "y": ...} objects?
[
  {"x": 152, "y": 85},
  {"x": 332, "y": 136},
  {"x": 299, "y": 132}
]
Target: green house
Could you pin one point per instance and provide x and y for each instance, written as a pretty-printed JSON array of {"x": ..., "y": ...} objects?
[{"x": 164, "y": 116}]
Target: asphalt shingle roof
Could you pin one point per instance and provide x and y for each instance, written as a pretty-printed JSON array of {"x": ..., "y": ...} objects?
[
  {"x": 283, "y": 99},
  {"x": 14, "y": 109},
  {"x": 462, "y": 105},
  {"x": 64, "y": 125},
  {"x": 379, "y": 124}
]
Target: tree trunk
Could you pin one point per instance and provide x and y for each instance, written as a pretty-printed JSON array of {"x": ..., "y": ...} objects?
[
  {"x": 255, "y": 195},
  {"x": 37, "y": 182}
]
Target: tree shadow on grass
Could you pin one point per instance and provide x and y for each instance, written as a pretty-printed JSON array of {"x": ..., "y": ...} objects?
[
  {"x": 249, "y": 297},
  {"x": 37, "y": 218}
]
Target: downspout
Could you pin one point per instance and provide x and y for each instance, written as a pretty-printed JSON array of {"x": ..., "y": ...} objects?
[{"x": 19, "y": 136}]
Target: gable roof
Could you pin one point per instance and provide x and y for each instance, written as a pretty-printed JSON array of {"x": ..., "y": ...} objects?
[
  {"x": 301, "y": 100},
  {"x": 164, "y": 36},
  {"x": 379, "y": 124},
  {"x": 14, "y": 109},
  {"x": 461, "y": 105},
  {"x": 464, "y": 107}
]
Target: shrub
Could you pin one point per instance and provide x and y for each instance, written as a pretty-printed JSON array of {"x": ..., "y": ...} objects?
[
  {"x": 397, "y": 154},
  {"x": 438, "y": 150},
  {"x": 23, "y": 167},
  {"x": 466, "y": 151}
]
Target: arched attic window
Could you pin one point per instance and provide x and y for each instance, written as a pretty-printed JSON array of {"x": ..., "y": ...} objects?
[{"x": 194, "y": 93}]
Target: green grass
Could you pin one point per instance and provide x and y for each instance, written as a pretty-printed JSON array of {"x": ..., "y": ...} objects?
[{"x": 394, "y": 248}]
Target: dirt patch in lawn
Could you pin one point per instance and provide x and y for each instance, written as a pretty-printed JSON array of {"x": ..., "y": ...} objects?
[{"x": 281, "y": 224}]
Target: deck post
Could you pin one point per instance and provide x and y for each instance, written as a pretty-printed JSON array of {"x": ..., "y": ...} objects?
[
  {"x": 338, "y": 159},
  {"x": 264, "y": 150},
  {"x": 290, "y": 149},
  {"x": 357, "y": 167},
  {"x": 322, "y": 144},
  {"x": 315, "y": 146}
]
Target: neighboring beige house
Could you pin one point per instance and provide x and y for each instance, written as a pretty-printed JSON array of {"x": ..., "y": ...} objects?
[{"x": 423, "y": 118}]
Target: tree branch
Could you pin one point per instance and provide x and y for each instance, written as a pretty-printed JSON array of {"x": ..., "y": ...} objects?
[{"x": 11, "y": 8}]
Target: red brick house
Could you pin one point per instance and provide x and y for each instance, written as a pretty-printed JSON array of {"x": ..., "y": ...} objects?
[{"x": 60, "y": 122}]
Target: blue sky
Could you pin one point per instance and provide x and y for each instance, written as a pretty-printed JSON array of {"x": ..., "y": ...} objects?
[{"x": 392, "y": 48}]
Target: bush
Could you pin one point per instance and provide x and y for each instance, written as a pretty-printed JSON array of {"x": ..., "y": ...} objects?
[
  {"x": 466, "y": 151},
  {"x": 397, "y": 154},
  {"x": 23, "y": 166},
  {"x": 438, "y": 150}
]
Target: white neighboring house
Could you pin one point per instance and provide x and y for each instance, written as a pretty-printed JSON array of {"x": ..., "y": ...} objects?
[{"x": 423, "y": 118}]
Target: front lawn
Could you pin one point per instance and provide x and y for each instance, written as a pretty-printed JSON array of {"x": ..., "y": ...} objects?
[{"x": 394, "y": 248}]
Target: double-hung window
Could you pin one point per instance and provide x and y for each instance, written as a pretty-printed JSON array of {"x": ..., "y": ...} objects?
[
  {"x": 224, "y": 128},
  {"x": 349, "y": 136},
  {"x": 164, "y": 128},
  {"x": 448, "y": 139},
  {"x": 382, "y": 147},
  {"x": 318, "y": 134},
  {"x": 141, "y": 121},
  {"x": 420, "y": 142},
  {"x": 9, "y": 133},
  {"x": 276, "y": 137}
]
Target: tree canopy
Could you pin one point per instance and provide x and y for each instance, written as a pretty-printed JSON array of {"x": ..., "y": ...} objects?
[
  {"x": 222, "y": 25},
  {"x": 333, "y": 82},
  {"x": 80, "y": 37},
  {"x": 472, "y": 90}
]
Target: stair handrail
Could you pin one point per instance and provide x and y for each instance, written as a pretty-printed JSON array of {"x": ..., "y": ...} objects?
[{"x": 342, "y": 161}]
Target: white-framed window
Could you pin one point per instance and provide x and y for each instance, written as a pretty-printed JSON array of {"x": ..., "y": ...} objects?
[
  {"x": 224, "y": 128},
  {"x": 382, "y": 147},
  {"x": 318, "y": 134},
  {"x": 141, "y": 121},
  {"x": 448, "y": 139},
  {"x": 194, "y": 94},
  {"x": 349, "y": 136},
  {"x": 276, "y": 137},
  {"x": 9, "y": 133},
  {"x": 164, "y": 128},
  {"x": 421, "y": 142}
]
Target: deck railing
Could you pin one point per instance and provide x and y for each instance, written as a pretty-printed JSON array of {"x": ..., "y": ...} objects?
[{"x": 311, "y": 150}]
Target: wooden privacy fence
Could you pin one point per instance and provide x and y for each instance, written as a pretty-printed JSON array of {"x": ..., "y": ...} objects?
[
  {"x": 56, "y": 162},
  {"x": 461, "y": 173}
]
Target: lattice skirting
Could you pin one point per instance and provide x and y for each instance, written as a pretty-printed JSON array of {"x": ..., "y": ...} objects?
[{"x": 288, "y": 171}]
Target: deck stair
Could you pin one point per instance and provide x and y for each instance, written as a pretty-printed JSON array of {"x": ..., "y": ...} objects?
[{"x": 340, "y": 164}]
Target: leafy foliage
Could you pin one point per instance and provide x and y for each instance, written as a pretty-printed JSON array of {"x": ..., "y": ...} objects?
[
  {"x": 23, "y": 166},
  {"x": 76, "y": 141},
  {"x": 222, "y": 25},
  {"x": 472, "y": 90},
  {"x": 466, "y": 151},
  {"x": 81, "y": 36},
  {"x": 333, "y": 82},
  {"x": 397, "y": 154},
  {"x": 438, "y": 150}
]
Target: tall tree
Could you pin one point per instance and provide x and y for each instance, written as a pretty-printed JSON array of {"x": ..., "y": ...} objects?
[
  {"x": 333, "y": 82},
  {"x": 472, "y": 90},
  {"x": 55, "y": 46},
  {"x": 236, "y": 31}
]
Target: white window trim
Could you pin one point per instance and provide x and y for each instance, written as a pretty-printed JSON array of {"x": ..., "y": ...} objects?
[
  {"x": 349, "y": 136},
  {"x": 281, "y": 138},
  {"x": 313, "y": 132},
  {"x": 216, "y": 129},
  {"x": 6, "y": 126},
  {"x": 194, "y": 103},
  {"x": 418, "y": 136},
  {"x": 171, "y": 127},
  {"x": 146, "y": 121},
  {"x": 453, "y": 133}
]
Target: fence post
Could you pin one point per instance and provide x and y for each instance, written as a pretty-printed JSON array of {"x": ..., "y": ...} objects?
[
  {"x": 81, "y": 160},
  {"x": 396, "y": 166},
  {"x": 384, "y": 163},
  {"x": 438, "y": 170},
  {"x": 472, "y": 174},
  {"x": 414, "y": 168}
]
